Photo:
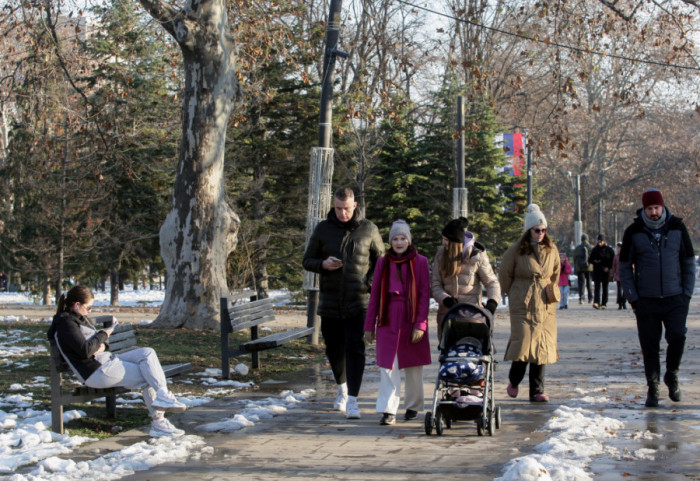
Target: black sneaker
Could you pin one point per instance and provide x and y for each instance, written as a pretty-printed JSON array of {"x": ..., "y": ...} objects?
[
  {"x": 652, "y": 397},
  {"x": 410, "y": 414},
  {"x": 387, "y": 419},
  {"x": 674, "y": 390}
]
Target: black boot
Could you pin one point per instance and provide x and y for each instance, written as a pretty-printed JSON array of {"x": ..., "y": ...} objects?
[
  {"x": 652, "y": 396},
  {"x": 674, "y": 390}
]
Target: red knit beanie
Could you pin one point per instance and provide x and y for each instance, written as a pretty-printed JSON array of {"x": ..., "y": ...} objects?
[{"x": 652, "y": 197}]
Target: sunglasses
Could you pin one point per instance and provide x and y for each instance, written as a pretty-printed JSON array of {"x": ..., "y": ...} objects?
[{"x": 539, "y": 231}]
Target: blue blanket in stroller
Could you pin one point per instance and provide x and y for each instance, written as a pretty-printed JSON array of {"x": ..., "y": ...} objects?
[{"x": 457, "y": 368}]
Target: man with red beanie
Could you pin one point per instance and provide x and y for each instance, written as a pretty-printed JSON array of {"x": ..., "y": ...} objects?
[{"x": 657, "y": 270}]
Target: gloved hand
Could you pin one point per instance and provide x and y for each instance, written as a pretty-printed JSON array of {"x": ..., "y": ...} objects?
[
  {"x": 449, "y": 301},
  {"x": 491, "y": 305}
]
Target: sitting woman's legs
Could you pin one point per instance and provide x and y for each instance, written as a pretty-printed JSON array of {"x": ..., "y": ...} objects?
[{"x": 138, "y": 368}]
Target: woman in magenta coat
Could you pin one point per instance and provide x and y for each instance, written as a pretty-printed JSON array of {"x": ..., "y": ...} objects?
[
  {"x": 398, "y": 314},
  {"x": 564, "y": 283}
]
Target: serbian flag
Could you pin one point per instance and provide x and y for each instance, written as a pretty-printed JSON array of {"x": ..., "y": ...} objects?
[{"x": 512, "y": 145}]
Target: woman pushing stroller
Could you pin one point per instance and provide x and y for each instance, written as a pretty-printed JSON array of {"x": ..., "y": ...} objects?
[{"x": 461, "y": 270}]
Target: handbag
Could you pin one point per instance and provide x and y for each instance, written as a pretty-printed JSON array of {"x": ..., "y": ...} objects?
[{"x": 553, "y": 293}]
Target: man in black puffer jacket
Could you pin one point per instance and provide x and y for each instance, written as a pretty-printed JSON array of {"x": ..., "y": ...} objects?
[
  {"x": 344, "y": 249},
  {"x": 657, "y": 270}
]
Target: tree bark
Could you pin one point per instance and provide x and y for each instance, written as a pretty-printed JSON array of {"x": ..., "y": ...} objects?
[{"x": 201, "y": 228}]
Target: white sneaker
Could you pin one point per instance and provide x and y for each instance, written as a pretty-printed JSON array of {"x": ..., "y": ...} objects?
[
  {"x": 162, "y": 427},
  {"x": 352, "y": 410},
  {"x": 341, "y": 399},
  {"x": 165, "y": 401}
]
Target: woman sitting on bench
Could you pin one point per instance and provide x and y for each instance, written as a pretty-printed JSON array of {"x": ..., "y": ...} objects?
[{"x": 86, "y": 351}]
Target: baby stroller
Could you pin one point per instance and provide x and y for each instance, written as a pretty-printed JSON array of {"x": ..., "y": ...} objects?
[{"x": 464, "y": 386}]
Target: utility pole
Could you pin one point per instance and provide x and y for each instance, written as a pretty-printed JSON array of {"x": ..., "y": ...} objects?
[
  {"x": 321, "y": 164},
  {"x": 459, "y": 194}
]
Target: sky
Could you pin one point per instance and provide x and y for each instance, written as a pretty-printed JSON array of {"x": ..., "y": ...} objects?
[{"x": 590, "y": 425}]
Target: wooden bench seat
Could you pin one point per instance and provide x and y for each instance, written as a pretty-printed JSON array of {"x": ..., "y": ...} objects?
[
  {"x": 122, "y": 339},
  {"x": 251, "y": 315}
]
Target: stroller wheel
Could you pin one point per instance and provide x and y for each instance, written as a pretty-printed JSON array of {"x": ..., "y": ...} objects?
[
  {"x": 491, "y": 427},
  {"x": 428, "y": 423},
  {"x": 480, "y": 422},
  {"x": 439, "y": 423},
  {"x": 498, "y": 417}
]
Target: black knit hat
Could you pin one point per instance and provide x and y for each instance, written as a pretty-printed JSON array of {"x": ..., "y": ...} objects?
[{"x": 454, "y": 230}]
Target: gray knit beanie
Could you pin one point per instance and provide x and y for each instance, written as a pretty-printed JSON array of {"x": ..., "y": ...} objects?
[{"x": 400, "y": 227}]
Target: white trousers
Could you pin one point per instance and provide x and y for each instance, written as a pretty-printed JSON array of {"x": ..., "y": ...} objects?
[
  {"x": 138, "y": 368},
  {"x": 389, "y": 396}
]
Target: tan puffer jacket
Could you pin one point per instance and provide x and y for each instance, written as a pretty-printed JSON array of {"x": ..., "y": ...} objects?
[{"x": 467, "y": 286}]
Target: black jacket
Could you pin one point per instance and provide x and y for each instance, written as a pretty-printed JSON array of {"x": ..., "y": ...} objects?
[
  {"x": 651, "y": 268},
  {"x": 344, "y": 292},
  {"x": 601, "y": 258},
  {"x": 78, "y": 340}
]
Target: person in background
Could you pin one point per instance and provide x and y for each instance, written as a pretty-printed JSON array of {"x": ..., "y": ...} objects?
[
  {"x": 564, "y": 282},
  {"x": 657, "y": 270},
  {"x": 528, "y": 266},
  {"x": 397, "y": 317},
  {"x": 615, "y": 275},
  {"x": 461, "y": 270},
  {"x": 601, "y": 259},
  {"x": 583, "y": 269},
  {"x": 86, "y": 350},
  {"x": 343, "y": 250}
]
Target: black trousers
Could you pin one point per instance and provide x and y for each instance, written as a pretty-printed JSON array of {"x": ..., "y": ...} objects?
[
  {"x": 517, "y": 373},
  {"x": 654, "y": 315},
  {"x": 584, "y": 283},
  {"x": 345, "y": 349},
  {"x": 601, "y": 292},
  {"x": 621, "y": 301}
]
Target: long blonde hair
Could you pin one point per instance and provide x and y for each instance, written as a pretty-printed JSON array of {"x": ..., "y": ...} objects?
[{"x": 451, "y": 262}]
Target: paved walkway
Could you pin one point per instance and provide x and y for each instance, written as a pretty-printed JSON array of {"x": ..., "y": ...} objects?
[{"x": 598, "y": 349}]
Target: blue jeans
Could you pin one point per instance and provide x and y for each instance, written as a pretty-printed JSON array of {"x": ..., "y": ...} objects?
[{"x": 564, "y": 290}]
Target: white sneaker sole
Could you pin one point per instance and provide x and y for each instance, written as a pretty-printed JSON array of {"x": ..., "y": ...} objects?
[
  {"x": 170, "y": 408},
  {"x": 352, "y": 415},
  {"x": 161, "y": 434}
]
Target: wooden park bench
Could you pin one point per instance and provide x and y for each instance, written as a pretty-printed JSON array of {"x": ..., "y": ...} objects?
[
  {"x": 250, "y": 315},
  {"x": 122, "y": 339}
]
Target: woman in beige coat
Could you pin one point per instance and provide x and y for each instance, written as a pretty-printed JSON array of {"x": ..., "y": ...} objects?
[
  {"x": 526, "y": 269},
  {"x": 461, "y": 270}
]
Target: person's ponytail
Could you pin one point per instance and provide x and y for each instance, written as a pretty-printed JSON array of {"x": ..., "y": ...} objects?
[{"x": 61, "y": 304}]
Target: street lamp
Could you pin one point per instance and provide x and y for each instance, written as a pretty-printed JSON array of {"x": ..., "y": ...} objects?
[{"x": 578, "y": 224}]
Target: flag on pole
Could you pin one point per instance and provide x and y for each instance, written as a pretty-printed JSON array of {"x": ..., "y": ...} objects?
[{"x": 512, "y": 145}]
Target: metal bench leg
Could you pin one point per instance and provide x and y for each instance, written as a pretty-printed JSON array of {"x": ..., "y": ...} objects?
[{"x": 111, "y": 403}]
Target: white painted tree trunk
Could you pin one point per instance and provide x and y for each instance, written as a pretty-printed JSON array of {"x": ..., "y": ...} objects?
[{"x": 201, "y": 229}]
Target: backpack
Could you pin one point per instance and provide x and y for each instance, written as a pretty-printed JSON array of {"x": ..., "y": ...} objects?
[{"x": 583, "y": 251}]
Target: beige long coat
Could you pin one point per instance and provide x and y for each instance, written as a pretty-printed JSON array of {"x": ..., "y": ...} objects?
[{"x": 533, "y": 322}]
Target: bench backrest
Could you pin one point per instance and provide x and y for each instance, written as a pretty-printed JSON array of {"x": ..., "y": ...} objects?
[{"x": 243, "y": 316}]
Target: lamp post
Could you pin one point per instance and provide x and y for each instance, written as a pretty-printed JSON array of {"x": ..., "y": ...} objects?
[
  {"x": 529, "y": 167},
  {"x": 578, "y": 224}
]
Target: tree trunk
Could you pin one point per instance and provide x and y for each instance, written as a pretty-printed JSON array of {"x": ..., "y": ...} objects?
[
  {"x": 114, "y": 281},
  {"x": 201, "y": 229}
]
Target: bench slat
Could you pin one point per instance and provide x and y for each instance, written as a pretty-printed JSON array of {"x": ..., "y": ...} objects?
[
  {"x": 243, "y": 309},
  {"x": 246, "y": 323},
  {"x": 276, "y": 339}
]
